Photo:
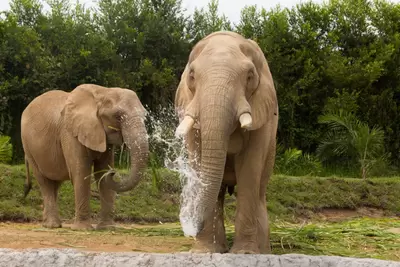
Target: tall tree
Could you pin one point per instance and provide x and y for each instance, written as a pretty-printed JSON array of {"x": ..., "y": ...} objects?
[
  {"x": 23, "y": 66},
  {"x": 151, "y": 42}
]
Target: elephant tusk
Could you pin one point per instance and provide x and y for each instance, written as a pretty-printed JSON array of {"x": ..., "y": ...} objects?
[
  {"x": 184, "y": 127},
  {"x": 245, "y": 120},
  {"x": 113, "y": 128}
]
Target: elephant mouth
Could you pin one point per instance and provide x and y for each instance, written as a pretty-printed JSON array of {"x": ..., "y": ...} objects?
[{"x": 114, "y": 138}]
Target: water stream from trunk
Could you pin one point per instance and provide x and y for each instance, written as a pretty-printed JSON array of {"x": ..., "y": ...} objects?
[{"x": 163, "y": 126}]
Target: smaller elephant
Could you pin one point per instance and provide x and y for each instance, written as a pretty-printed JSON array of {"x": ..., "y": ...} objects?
[{"x": 65, "y": 134}]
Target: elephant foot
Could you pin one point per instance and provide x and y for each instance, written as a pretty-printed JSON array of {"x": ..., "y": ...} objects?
[
  {"x": 106, "y": 225},
  {"x": 209, "y": 248},
  {"x": 242, "y": 251},
  {"x": 265, "y": 250},
  {"x": 52, "y": 224},
  {"x": 246, "y": 248},
  {"x": 85, "y": 226}
]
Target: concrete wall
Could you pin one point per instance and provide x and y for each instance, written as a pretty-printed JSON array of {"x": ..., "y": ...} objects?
[{"x": 76, "y": 258}]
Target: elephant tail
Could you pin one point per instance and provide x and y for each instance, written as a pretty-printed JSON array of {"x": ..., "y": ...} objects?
[{"x": 28, "y": 182}]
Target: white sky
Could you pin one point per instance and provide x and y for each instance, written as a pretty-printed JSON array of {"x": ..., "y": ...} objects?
[{"x": 231, "y": 8}]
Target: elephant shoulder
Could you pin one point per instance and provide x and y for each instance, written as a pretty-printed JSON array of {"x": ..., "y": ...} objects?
[{"x": 48, "y": 102}]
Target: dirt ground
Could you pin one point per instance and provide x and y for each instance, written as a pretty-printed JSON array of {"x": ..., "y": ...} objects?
[
  {"x": 337, "y": 215},
  {"x": 29, "y": 235},
  {"x": 128, "y": 237}
]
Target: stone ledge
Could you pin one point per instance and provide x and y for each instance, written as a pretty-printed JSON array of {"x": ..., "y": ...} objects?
[{"x": 76, "y": 258}]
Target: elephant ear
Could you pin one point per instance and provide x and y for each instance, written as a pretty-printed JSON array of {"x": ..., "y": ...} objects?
[
  {"x": 183, "y": 95},
  {"x": 263, "y": 101},
  {"x": 80, "y": 115}
]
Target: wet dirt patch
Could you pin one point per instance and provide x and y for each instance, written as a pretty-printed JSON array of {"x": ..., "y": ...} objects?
[{"x": 335, "y": 214}]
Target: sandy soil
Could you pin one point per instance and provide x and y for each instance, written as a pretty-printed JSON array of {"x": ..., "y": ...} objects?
[{"x": 23, "y": 236}]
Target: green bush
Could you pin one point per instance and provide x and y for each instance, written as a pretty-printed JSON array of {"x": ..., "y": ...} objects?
[
  {"x": 5, "y": 149},
  {"x": 293, "y": 162},
  {"x": 349, "y": 137}
]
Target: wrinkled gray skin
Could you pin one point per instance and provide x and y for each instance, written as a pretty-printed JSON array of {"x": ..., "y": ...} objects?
[
  {"x": 65, "y": 134},
  {"x": 228, "y": 112}
]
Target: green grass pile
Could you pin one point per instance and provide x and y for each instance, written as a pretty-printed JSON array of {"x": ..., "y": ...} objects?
[{"x": 362, "y": 237}]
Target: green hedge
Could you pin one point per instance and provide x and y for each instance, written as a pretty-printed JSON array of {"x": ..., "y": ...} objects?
[{"x": 287, "y": 197}]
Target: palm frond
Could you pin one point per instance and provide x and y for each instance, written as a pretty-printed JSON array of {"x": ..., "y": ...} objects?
[{"x": 350, "y": 137}]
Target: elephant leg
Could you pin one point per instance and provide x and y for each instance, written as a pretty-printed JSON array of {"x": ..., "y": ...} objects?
[
  {"x": 79, "y": 164},
  {"x": 80, "y": 171},
  {"x": 263, "y": 230},
  {"x": 107, "y": 196},
  {"x": 249, "y": 168},
  {"x": 212, "y": 238},
  {"x": 82, "y": 204},
  {"x": 49, "y": 190}
]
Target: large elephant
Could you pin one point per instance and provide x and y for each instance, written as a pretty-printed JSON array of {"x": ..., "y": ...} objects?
[
  {"x": 65, "y": 134},
  {"x": 228, "y": 112}
]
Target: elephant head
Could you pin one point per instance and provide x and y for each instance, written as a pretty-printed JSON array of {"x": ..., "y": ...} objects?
[
  {"x": 98, "y": 116},
  {"x": 226, "y": 84}
]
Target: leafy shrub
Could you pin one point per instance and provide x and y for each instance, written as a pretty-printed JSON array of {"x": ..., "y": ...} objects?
[
  {"x": 293, "y": 162},
  {"x": 5, "y": 149},
  {"x": 348, "y": 137}
]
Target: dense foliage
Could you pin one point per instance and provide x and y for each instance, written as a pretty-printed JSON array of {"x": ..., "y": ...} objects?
[{"x": 341, "y": 58}]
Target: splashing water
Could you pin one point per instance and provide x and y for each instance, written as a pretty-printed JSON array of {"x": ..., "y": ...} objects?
[
  {"x": 189, "y": 213},
  {"x": 176, "y": 159}
]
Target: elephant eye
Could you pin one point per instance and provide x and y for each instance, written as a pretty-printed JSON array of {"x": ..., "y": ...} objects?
[
  {"x": 250, "y": 75},
  {"x": 191, "y": 74},
  {"x": 190, "y": 81},
  {"x": 118, "y": 115}
]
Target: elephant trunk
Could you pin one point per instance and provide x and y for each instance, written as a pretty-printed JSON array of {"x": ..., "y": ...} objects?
[
  {"x": 136, "y": 139},
  {"x": 217, "y": 115}
]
